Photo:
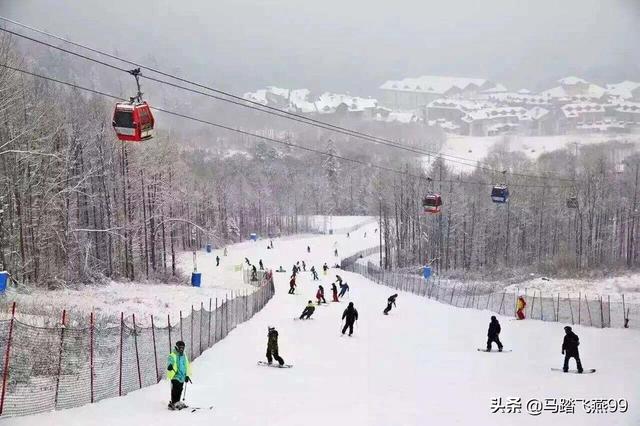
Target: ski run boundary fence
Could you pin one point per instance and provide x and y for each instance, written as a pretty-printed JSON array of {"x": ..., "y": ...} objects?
[
  {"x": 46, "y": 369},
  {"x": 584, "y": 310}
]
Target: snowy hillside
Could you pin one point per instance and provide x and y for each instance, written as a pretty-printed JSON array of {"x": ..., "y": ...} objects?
[{"x": 417, "y": 366}]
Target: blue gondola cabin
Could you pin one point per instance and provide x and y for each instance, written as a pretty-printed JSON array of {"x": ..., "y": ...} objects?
[{"x": 500, "y": 194}]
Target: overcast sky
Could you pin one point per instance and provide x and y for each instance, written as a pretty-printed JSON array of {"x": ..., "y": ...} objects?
[{"x": 355, "y": 45}]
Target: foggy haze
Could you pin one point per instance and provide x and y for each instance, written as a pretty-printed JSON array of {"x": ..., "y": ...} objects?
[{"x": 354, "y": 46}]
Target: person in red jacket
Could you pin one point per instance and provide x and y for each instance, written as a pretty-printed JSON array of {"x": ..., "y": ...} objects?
[
  {"x": 320, "y": 295},
  {"x": 520, "y": 308},
  {"x": 334, "y": 290}
]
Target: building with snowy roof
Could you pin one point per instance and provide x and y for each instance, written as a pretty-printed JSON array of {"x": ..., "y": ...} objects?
[
  {"x": 572, "y": 87},
  {"x": 412, "y": 94}
]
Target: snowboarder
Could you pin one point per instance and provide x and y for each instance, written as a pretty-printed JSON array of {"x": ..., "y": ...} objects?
[
  {"x": 325, "y": 268},
  {"x": 320, "y": 295},
  {"x": 570, "y": 349},
  {"x": 246, "y": 259},
  {"x": 315, "y": 273},
  {"x": 350, "y": 315},
  {"x": 335, "y": 252},
  {"x": 344, "y": 287},
  {"x": 304, "y": 266},
  {"x": 292, "y": 284},
  {"x": 217, "y": 260},
  {"x": 334, "y": 290},
  {"x": 261, "y": 265},
  {"x": 391, "y": 301},
  {"x": 308, "y": 249},
  {"x": 308, "y": 310},
  {"x": 281, "y": 269},
  {"x": 178, "y": 372},
  {"x": 272, "y": 347},
  {"x": 339, "y": 280},
  {"x": 254, "y": 273},
  {"x": 493, "y": 334},
  {"x": 520, "y": 308}
]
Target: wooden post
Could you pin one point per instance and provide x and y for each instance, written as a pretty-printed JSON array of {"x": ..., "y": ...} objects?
[
  {"x": 200, "y": 334},
  {"x": 557, "y": 310},
  {"x": 210, "y": 314},
  {"x": 181, "y": 338},
  {"x": 501, "y": 302},
  {"x": 532, "y": 304},
  {"x": 91, "y": 364},
  {"x": 121, "y": 344},
  {"x": 624, "y": 314},
  {"x": 452, "y": 292},
  {"x": 191, "y": 334},
  {"x": 541, "y": 311},
  {"x": 155, "y": 350},
  {"x": 488, "y": 300},
  {"x": 609, "y": 310},
  {"x": 135, "y": 343},
  {"x": 601, "y": 314},
  {"x": 62, "y": 327},
  {"x": 215, "y": 330},
  {"x": 588, "y": 310},
  {"x": 6, "y": 357},
  {"x": 169, "y": 328}
]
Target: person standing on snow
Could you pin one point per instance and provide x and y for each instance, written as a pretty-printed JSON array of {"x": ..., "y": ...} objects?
[
  {"x": 315, "y": 273},
  {"x": 325, "y": 268},
  {"x": 294, "y": 270},
  {"x": 254, "y": 273},
  {"x": 344, "y": 287},
  {"x": 217, "y": 260},
  {"x": 304, "y": 266},
  {"x": 391, "y": 301},
  {"x": 272, "y": 347},
  {"x": 350, "y": 315},
  {"x": 570, "y": 349},
  {"x": 178, "y": 372},
  {"x": 493, "y": 334},
  {"x": 334, "y": 290},
  {"x": 225, "y": 251},
  {"x": 261, "y": 265},
  {"x": 320, "y": 295},
  {"x": 292, "y": 284},
  {"x": 520, "y": 307},
  {"x": 308, "y": 310},
  {"x": 246, "y": 259},
  {"x": 335, "y": 252},
  {"x": 308, "y": 249}
]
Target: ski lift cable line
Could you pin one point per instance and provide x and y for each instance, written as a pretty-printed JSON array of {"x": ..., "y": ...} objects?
[
  {"x": 281, "y": 142},
  {"x": 246, "y": 103}
]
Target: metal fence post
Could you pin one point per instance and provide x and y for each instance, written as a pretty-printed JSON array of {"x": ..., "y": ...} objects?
[
  {"x": 201, "y": 312},
  {"x": 91, "y": 337},
  {"x": 215, "y": 330},
  {"x": 588, "y": 310},
  {"x": 135, "y": 343},
  {"x": 570, "y": 307},
  {"x": 169, "y": 327},
  {"x": 121, "y": 344},
  {"x": 181, "y": 338},
  {"x": 64, "y": 314},
  {"x": 210, "y": 314},
  {"x": 155, "y": 349},
  {"x": 191, "y": 332}
]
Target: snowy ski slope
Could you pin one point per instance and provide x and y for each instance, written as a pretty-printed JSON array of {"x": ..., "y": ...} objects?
[{"x": 417, "y": 366}]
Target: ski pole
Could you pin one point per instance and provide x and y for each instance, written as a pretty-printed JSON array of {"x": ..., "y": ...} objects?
[{"x": 184, "y": 394}]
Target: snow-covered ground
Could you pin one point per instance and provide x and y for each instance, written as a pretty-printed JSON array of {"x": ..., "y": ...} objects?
[
  {"x": 417, "y": 366},
  {"x": 476, "y": 148}
]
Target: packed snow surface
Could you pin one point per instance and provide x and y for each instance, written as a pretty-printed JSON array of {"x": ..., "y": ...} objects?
[{"x": 417, "y": 366}]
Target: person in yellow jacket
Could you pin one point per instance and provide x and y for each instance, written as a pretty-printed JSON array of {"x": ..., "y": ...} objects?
[
  {"x": 178, "y": 372},
  {"x": 520, "y": 307}
]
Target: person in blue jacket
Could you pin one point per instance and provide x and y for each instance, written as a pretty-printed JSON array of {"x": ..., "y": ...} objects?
[{"x": 178, "y": 372}]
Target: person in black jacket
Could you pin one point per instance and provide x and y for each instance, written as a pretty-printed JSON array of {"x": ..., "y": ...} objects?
[
  {"x": 570, "y": 349},
  {"x": 350, "y": 316},
  {"x": 272, "y": 346},
  {"x": 493, "y": 334},
  {"x": 391, "y": 301}
]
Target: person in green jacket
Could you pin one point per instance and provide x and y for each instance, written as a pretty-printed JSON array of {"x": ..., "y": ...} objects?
[{"x": 178, "y": 372}]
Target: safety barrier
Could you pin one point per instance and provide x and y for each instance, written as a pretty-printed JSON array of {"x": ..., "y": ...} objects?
[{"x": 46, "y": 369}]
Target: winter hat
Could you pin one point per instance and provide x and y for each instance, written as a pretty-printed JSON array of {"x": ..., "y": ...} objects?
[
  {"x": 567, "y": 328},
  {"x": 180, "y": 343},
  {"x": 493, "y": 318},
  {"x": 351, "y": 304}
]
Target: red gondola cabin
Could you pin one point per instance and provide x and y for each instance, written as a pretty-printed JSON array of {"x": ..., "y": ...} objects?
[
  {"x": 431, "y": 203},
  {"x": 133, "y": 121}
]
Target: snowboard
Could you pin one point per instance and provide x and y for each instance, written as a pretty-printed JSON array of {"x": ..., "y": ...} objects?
[
  {"x": 274, "y": 365},
  {"x": 303, "y": 319},
  {"x": 494, "y": 350},
  {"x": 585, "y": 371},
  {"x": 194, "y": 409}
]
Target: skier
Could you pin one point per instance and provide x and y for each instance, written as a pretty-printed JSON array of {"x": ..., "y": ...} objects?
[
  {"x": 292, "y": 284},
  {"x": 178, "y": 372},
  {"x": 308, "y": 310},
  {"x": 281, "y": 269},
  {"x": 339, "y": 280},
  {"x": 272, "y": 347},
  {"x": 294, "y": 269},
  {"x": 347, "y": 235},
  {"x": 570, "y": 349},
  {"x": 271, "y": 243},
  {"x": 493, "y": 334},
  {"x": 308, "y": 249},
  {"x": 320, "y": 295},
  {"x": 304, "y": 266},
  {"x": 217, "y": 260},
  {"x": 261, "y": 265},
  {"x": 335, "y": 252},
  {"x": 350, "y": 315},
  {"x": 254, "y": 273},
  {"x": 325, "y": 268},
  {"x": 247, "y": 260},
  {"x": 391, "y": 301},
  {"x": 334, "y": 290},
  {"x": 315, "y": 273},
  {"x": 520, "y": 308},
  {"x": 344, "y": 287}
]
